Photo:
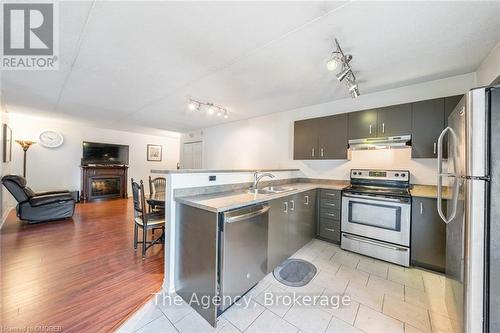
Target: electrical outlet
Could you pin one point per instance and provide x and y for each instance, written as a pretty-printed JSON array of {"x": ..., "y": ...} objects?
[{"x": 212, "y": 178}]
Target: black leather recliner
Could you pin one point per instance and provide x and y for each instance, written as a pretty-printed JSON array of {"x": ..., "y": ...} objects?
[{"x": 39, "y": 207}]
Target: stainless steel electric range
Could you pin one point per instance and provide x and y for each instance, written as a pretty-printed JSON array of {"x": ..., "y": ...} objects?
[{"x": 376, "y": 215}]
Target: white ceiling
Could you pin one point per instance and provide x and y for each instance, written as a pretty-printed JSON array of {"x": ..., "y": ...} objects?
[{"x": 137, "y": 63}]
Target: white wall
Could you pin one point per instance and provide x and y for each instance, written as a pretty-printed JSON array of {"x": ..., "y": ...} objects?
[
  {"x": 6, "y": 200},
  {"x": 267, "y": 141},
  {"x": 59, "y": 168},
  {"x": 489, "y": 70}
]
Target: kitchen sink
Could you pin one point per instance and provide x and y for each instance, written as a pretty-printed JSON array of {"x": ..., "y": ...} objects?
[{"x": 270, "y": 190}]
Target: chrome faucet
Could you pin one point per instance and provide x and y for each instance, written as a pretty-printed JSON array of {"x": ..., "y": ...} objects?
[{"x": 257, "y": 178}]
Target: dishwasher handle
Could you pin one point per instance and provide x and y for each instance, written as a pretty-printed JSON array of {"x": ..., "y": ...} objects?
[{"x": 247, "y": 216}]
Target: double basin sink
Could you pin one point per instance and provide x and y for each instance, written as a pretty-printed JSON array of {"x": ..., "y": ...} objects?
[{"x": 270, "y": 190}]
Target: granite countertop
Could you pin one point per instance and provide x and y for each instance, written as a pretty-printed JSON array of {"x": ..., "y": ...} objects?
[
  {"x": 428, "y": 191},
  {"x": 221, "y": 202},
  {"x": 174, "y": 171}
]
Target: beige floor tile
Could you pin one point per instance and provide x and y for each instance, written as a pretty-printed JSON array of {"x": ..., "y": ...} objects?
[
  {"x": 353, "y": 275},
  {"x": 140, "y": 318},
  {"x": 340, "y": 326},
  {"x": 431, "y": 301},
  {"x": 408, "y": 313},
  {"x": 310, "y": 289},
  {"x": 193, "y": 323},
  {"x": 408, "y": 277},
  {"x": 368, "y": 296},
  {"x": 375, "y": 267},
  {"x": 346, "y": 312},
  {"x": 271, "y": 323},
  {"x": 326, "y": 265},
  {"x": 160, "y": 324},
  {"x": 372, "y": 321},
  {"x": 308, "y": 320},
  {"x": 272, "y": 298},
  {"x": 334, "y": 285},
  {"x": 346, "y": 258},
  {"x": 388, "y": 287},
  {"x": 242, "y": 314},
  {"x": 175, "y": 308},
  {"x": 411, "y": 329},
  {"x": 442, "y": 324}
]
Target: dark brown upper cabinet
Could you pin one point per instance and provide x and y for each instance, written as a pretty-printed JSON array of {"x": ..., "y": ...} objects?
[
  {"x": 394, "y": 120},
  {"x": 363, "y": 124},
  {"x": 449, "y": 105},
  {"x": 321, "y": 138},
  {"x": 305, "y": 139},
  {"x": 332, "y": 137},
  {"x": 427, "y": 124}
]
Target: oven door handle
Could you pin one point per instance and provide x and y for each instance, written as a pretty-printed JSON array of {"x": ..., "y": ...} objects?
[
  {"x": 387, "y": 246},
  {"x": 367, "y": 197}
]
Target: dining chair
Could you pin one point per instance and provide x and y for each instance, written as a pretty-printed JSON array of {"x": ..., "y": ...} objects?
[
  {"x": 157, "y": 185},
  {"x": 145, "y": 220}
]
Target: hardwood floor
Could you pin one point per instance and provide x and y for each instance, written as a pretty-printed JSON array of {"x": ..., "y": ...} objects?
[{"x": 80, "y": 274}]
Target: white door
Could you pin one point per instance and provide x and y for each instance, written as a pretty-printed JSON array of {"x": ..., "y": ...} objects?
[{"x": 192, "y": 155}]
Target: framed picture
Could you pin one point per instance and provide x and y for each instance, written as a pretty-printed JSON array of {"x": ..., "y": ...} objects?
[
  {"x": 7, "y": 143},
  {"x": 154, "y": 153}
]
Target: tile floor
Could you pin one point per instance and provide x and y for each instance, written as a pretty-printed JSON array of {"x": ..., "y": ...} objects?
[{"x": 383, "y": 298}]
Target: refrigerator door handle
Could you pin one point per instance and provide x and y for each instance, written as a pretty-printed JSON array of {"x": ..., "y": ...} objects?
[{"x": 440, "y": 178}]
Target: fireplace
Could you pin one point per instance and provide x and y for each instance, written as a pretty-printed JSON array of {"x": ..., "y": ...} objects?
[{"x": 100, "y": 182}]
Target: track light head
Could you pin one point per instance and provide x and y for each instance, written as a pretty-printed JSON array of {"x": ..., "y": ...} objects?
[
  {"x": 334, "y": 61},
  {"x": 355, "y": 92},
  {"x": 193, "y": 106},
  {"x": 342, "y": 75}
]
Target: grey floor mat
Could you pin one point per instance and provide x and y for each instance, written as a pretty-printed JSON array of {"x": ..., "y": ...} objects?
[{"x": 295, "y": 272}]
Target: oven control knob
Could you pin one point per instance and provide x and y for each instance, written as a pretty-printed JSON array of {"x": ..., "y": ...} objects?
[
  {"x": 397, "y": 175},
  {"x": 354, "y": 173},
  {"x": 403, "y": 175}
]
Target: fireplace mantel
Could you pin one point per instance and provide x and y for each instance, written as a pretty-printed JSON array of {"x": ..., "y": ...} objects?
[{"x": 101, "y": 182}]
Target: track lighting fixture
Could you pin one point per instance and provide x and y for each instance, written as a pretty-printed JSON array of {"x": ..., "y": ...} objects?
[
  {"x": 208, "y": 107},
  {"x": 339, "y": 58}
]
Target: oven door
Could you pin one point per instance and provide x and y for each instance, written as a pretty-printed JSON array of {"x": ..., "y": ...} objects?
[{"x": 380, "y": 218}]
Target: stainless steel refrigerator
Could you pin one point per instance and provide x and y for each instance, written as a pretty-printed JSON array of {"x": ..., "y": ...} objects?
[{"x": 471, "y": 173}]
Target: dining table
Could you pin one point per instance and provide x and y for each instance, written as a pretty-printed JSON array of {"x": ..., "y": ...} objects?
[{"x": 157, "y": 199}]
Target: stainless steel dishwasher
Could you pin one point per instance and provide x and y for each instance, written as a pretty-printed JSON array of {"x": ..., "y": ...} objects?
[{"x": 243, "y": 251}]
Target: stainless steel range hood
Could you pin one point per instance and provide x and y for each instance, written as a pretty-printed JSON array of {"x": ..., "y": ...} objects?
[{"x": 390, "y": 142}]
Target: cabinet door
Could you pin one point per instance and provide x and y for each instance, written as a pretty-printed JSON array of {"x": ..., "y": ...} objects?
[
  {"x": 277, "y": 249},
  {"x": 363, "y": 124},
  {"x": 428, "y": 235},
  {"x": 295, "y": 213},
  {"x": 332, "y": 137},
  {"x": 306, "y": 218},
  {"x": 394, "y": 120},
  {"x": 305, "y": 140},
  {"x": 427, "y": 124},
  {"x": 449, "y": 105}
]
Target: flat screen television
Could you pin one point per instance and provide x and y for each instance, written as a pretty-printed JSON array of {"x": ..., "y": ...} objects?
[{"x": 104, "y": 153}]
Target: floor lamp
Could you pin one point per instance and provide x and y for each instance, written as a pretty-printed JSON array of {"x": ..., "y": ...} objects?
[{"x": 25, "y": 144}]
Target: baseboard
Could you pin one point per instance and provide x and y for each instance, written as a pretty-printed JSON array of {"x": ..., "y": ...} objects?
[{"x": 5, "y": 214}]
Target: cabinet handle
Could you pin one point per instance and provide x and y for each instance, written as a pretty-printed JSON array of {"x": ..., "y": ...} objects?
[
  {"x": 286, "y": 207},
  {"x": 370, "y": 128},
  {"x": 383, "y": 127},
  {"x": 312, "y": 152},
  {"x": 292, "y": 205},
  {"x": 321, "y": 152},
  {"x": 306, "y": 198},
  {"x": 421, "y": 208},
  {"x": 330, "y": 214},
  {"x": 330, "y": 229},
  {"x": 435, "y": 148},
  {"x": 330, "y": 204},
  {"x": 331, "y": 194}
]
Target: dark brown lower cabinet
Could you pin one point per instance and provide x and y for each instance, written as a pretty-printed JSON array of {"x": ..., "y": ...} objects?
[
  {"x": 428, "y": 235},
  {"x": 329, "y": 215}
]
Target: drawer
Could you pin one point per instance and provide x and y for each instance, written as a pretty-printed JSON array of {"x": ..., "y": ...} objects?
[
  {"x": 330, "y": 203},
  {"x": 330, "y": 230},
  {"x": 333, "y": 214},
  {"x": 331, "y": 194}
]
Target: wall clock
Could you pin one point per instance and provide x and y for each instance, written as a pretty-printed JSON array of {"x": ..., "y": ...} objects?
[{"x": 51, "y": 138}]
